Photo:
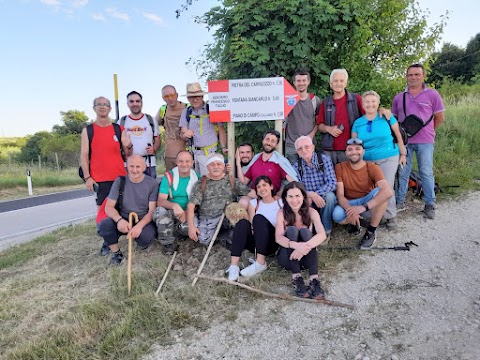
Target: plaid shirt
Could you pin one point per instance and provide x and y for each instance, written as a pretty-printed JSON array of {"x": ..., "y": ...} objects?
[{"x": 321, "y": 181}]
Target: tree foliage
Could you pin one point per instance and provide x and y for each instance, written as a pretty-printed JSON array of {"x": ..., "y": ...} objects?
[
  {"x": 67, "y": 148},
  {"x": 374, "y": 40},
  {"x": 73, "y": 123},
  {"x": 32, "y": 148}
]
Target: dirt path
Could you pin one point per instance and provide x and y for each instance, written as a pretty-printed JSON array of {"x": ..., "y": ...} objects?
[{"x": 422, "y": 304}]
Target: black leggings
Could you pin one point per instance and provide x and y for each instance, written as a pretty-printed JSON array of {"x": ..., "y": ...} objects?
[
  {"x": 263, "y": 238},
  {"x": 309, "y": 261}
]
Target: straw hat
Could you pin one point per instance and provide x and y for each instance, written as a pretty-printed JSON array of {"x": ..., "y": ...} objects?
[{"x": 194, "y": 89}]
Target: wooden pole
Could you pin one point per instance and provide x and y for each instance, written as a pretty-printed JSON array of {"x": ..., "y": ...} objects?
[
  {"x": 115, "y": 89},
  {"x": 166, "y": 274},
  {"x": 217, "y": 230},
  {"x": 56, "y": 160},
  {"x": 279, "y": 128},
  {"x": 130, "y": 253},
  {"x": 39, "y": 162},
  {"x": 276, "y": 296},
  {"x": 231, "y": 144}
]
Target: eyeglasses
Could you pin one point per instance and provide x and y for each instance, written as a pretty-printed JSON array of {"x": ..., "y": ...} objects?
[
  {"x": 102, "y": 105},
  {"x": 369, "y": 125},
  {"x": 170, "y": 96},
  {"x": 354, "y": 141}
]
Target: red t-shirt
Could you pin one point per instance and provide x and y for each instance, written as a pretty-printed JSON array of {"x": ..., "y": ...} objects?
[
  {"x": 270, "y": 169},
  {"x": 341, "y": 118},
  {"x": 106, "y": 163}
]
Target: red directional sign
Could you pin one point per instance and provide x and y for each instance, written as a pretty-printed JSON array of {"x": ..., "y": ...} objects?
[{"x": 250, "y": 99}]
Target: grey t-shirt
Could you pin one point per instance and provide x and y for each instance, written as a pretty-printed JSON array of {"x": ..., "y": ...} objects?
[
  {"x": 300, "y": 121},
  {"x": 136, "y": 196}
]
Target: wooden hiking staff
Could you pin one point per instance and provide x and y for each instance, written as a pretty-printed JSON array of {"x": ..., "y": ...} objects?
[
  {"x": 166, "y": 274},
  {"x": 217, "y": 230},
  {"x": 276, "y": 296},
  {"x": 129, "y": 266}
]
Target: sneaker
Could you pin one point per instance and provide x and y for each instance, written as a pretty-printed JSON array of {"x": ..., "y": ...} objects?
[
  {"x": 105, "y": 250},
  {"x": 401, "y": 206},
  {"x": 429, "y": 211},
  {"x": 299, "y": 287},
  {"x": 368, "y": 240},
  {"x": 253, "y": 269},
  {"x": 391, "y": 224},
  {"x": 315, "y": 291},
  {"x": 117, "y": 258},
  {"x": 169, "y": 249},
  {"x": 354, "y": 229},
  {"x": 233, "y": 272}
]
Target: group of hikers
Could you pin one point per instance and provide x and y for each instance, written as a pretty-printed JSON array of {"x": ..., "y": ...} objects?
[{"x": 289, "y": 202}]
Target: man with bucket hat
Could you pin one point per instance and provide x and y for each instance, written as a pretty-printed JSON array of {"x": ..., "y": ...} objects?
[{"x": 203, "y": 137}]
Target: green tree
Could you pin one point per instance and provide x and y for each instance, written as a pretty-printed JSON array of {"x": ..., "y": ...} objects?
[
  {"x": 451, "y": 63},
  {"x": 31, "y": 149},
  {"x": 472, "y": 54},
  {"x": 374, "y": 40},
  {"x": 67, "y": 148},
  {"x": 73, "y": 122}
]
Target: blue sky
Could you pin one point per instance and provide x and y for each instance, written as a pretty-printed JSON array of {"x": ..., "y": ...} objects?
[{"x": 57, "y": 55}]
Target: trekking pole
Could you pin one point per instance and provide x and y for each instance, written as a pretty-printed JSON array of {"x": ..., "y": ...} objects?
[
  {"x": 166, "y": 274},
  {"x": 129, "y": 266},
  {"x": 405, "y": 247},
  {"x": 149, "y": 162},
  {"x": 217, "y": 230}
]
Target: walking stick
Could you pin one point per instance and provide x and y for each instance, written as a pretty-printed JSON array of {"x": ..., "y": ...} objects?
[
  {"x": 166, "y": 274},
  {"x": 217, "y": 230},
  {"x": 129, "y": 267}
]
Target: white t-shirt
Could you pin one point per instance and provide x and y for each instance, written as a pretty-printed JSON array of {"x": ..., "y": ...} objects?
[
  {"x": 141, "y": 135},
  {"x": 268, "y": 210}
]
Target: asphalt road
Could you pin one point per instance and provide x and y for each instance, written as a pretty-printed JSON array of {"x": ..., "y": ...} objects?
[{"x": 25, "y": 219}]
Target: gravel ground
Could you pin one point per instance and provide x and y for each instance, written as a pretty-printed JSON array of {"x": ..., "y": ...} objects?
[{"x": 422, "y": 304}]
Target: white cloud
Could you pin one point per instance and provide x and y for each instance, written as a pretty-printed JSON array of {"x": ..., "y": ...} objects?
[
  {"x": 154, "y": 18},
  {"x": 98, "y": 17},
  {"x": 117, "y": 14},
  {"x": 51, "y": 2},
  {"x": 79, "y": 3}
]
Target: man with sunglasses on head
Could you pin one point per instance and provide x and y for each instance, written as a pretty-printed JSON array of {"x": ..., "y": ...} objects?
[
  {"x": 269, "y": 162},
  {"x": 142, "y": 131},
  {"x": 362, "y": 191},
  {"x": 168, "y": 116},
  {"x": 203, "y": 137},
  {"x": 315, "y": 171}
]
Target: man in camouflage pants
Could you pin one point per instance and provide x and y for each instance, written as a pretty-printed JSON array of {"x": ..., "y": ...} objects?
[
  {"x": 211, "y": 194},
  {"x": 172, "y": 201}
]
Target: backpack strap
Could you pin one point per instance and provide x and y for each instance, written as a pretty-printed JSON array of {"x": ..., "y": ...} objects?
[
  {"x": 315, "y": 103},
  {"x": 162, "y": 112},
  {"x": 169, "y": 177},
  {"x": 121, "y": 189},
  {"x": 300, "y": 168},
  {"x": 405, "y": 110},
  {"x": 150, "y": 121},
  {"x": 90, "y": 138},
  {"x": 122, "y": 120},
  {"x": 118, "y": 134}
]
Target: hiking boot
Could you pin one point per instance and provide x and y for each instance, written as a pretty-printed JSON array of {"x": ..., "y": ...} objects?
[
  {"x": 315, "y": 291},
  {"x": 429, "y": 211},
  {"x": 233, "y": 272},
  {"x": 117, "y": 258},
  {"x": 253, "y": 269},
  {"x": 391, "y": 224},
  {"x": 299, "y": 287},
  {"x": 401, "y": 206},
  {"x": 368, "y": 240},
  {"x": 169, "y": 249},
  {"x": 354, "y": 229},
  {"x": 105, "y": 250}
]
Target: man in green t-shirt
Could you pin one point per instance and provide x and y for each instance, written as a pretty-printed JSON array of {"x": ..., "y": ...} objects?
[{"x": 173, "y": 196}]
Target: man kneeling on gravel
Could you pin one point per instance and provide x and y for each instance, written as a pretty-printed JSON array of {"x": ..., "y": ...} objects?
[
  {"x": 172, "y": 201},
  {"x": 138, "y": 194},
  {"x": 361, "y": 191},
  {"x": 210, "y": 195}
]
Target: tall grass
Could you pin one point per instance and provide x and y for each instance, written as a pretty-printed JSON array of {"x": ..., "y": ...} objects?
[
  {"x": 457, "y": 145},
  {"x": 16, "y": 176}
]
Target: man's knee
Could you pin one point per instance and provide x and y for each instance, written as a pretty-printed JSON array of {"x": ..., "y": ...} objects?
[{"x": 339, "y": 215}]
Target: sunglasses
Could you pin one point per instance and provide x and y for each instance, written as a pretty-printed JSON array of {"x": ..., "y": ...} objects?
[
  {"x": 354, "y": 141},
  {"x": 369, "y": 126},
  {"x": 170, "y": 96}
]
